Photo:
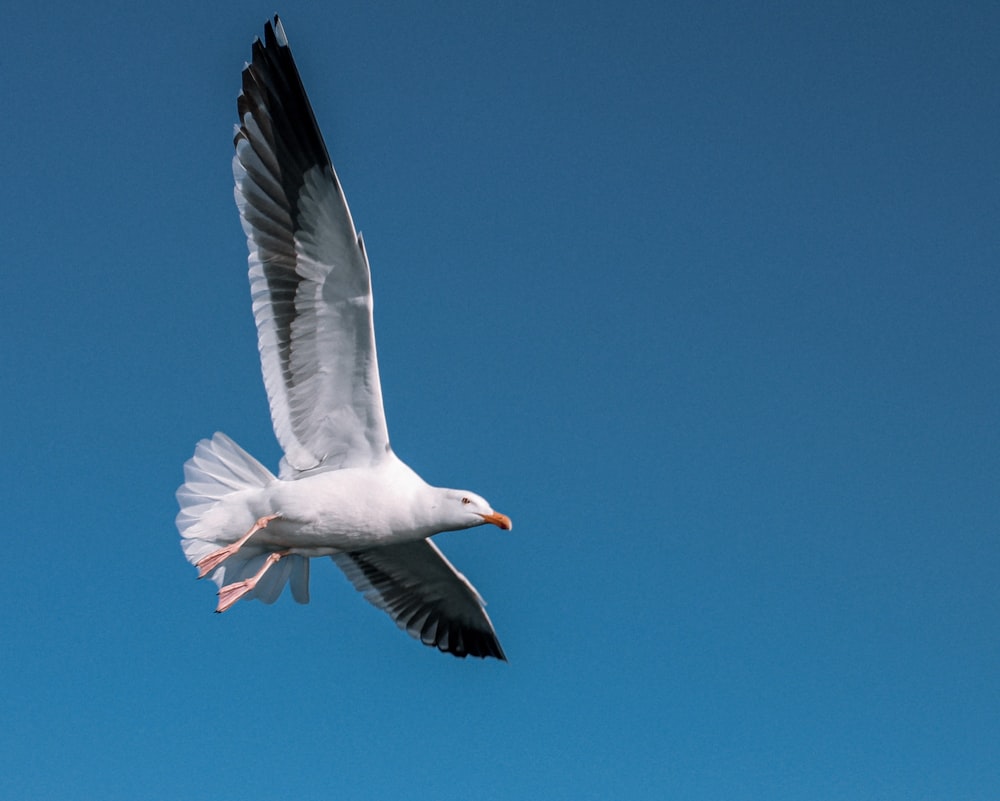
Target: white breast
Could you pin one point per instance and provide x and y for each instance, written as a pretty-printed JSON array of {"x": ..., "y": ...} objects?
[{"x": 348, "y": 509}]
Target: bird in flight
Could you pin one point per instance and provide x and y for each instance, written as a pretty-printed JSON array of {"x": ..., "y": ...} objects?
[{"x": 341, "y": 491}]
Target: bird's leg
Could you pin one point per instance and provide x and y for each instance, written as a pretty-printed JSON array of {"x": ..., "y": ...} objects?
[
  {"x": 231, "y": 593},
  {"x": 208, "y": 563}
]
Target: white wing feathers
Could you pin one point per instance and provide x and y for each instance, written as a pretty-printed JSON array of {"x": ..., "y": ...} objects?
[{"x": 309, "y": 275}]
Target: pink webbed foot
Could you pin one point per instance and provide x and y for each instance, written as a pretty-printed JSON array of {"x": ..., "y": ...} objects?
[
  {"x": 231, "y": 593},
  {"x": 208, "y": 563}
]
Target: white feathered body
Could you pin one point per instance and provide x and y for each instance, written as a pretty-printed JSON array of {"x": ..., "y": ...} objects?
[
  {"x": 319, "y": 514},
  {"x": 341, "y": 510}
]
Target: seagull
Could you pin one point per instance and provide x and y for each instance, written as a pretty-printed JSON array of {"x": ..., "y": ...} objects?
[{"x": 340, "y": 491}]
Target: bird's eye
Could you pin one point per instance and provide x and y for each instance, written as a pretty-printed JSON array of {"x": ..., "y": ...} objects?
[{"x": 466, "y": 500}]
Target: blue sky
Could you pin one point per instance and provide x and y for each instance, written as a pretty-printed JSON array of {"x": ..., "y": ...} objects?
[{"x": 704, "y": 296}]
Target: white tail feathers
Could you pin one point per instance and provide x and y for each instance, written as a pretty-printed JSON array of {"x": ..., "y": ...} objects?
[
  {"x": 216, "y": 509},
  {"x": 219, "y": 467}
]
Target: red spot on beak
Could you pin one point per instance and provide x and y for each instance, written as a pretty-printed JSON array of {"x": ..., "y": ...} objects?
[{"x": 498, "y": 520}]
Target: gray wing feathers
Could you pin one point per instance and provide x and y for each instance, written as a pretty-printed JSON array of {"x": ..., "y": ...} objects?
[
  {"x": 425, "y": 595},
  {"x": 309, "y": 275}
]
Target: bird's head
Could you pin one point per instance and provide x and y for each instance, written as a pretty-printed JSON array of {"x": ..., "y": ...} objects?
[{"x": 462, "y": 509}]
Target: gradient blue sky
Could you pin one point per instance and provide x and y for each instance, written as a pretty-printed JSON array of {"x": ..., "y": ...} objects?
[{"x": 703, "y": 295}]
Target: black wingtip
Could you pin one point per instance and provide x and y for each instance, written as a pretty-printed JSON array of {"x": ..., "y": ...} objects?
[
  {"x": 274, "y": 33},
  {"x": 479, "y": 644}
]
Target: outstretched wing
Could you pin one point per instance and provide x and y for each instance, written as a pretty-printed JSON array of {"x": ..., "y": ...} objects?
[
  {"x": 425, "y": 595},
  {"x": 309, "y": 275}
]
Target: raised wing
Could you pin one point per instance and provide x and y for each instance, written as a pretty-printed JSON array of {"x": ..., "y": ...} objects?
[
  {"x": 309, "y": 275},
  {"x": 425, "y": 595}
]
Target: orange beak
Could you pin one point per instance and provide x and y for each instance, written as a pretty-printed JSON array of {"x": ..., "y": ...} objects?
[{"x": 499, "y": 520}]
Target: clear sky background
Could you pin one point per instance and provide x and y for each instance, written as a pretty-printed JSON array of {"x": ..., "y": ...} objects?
[{"x": 704, "y": 296}]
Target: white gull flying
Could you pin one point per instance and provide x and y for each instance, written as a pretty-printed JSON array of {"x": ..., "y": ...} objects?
[{"x": 341, "y": 491}]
